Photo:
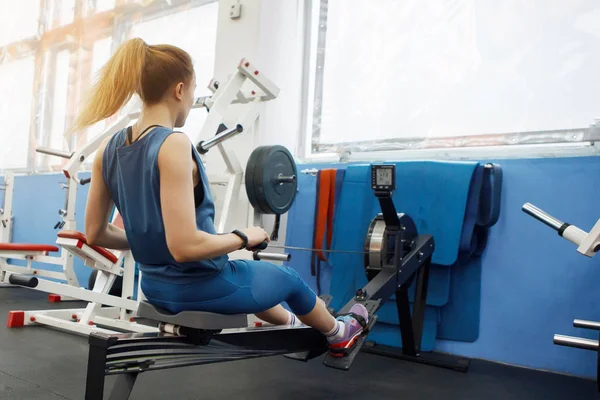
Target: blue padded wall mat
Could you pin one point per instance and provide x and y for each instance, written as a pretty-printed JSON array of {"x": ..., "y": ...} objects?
[{"x": 459, "y": 319}]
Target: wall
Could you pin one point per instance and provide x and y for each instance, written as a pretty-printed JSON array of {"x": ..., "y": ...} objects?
[
  {"x": 270, "y": 36},
  {"x": 534, "y": 283}
]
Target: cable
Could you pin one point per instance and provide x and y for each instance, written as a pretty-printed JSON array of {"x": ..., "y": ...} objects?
[{"x": 276, "y": 246}]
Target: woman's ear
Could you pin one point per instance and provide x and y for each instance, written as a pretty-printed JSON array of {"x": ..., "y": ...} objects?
[{"x": 179, "y": 91}]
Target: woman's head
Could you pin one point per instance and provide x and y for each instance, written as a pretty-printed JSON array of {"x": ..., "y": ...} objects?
[{"x": 157, "y": 73}]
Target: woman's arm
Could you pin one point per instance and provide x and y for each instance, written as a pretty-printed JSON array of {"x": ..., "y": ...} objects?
[
  {"x": 185, "y": 241},
  {"x": 98, "y": 208}
]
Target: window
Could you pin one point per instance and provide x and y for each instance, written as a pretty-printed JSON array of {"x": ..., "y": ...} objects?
[
  {"x": 16, "y": 86},
  {"x": 51, "y": 51},
  {"x": 102, "y": 5},
  {"x": 392, "y": 75},
  {"x": 59, "y": 102},
  {"x": 18, "y": 21}
]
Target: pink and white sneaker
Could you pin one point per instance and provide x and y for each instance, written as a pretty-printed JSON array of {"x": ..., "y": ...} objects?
[{"x": 355, "y": 323}]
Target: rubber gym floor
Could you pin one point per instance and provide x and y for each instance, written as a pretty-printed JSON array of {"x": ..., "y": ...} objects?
[{"x": 40, "y": 363}]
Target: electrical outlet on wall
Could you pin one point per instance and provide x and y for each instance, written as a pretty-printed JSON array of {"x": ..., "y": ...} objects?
[{"x": 235, "y": 12}]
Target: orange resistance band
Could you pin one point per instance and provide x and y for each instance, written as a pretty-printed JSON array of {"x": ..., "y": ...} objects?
[{"x": 324, "y": 211}]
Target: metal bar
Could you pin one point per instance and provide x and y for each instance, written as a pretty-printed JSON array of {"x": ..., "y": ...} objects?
[
  {"x": 390, "y": 215},
  {"x": 53, "y": 152},
  {"x": 41, "y": 317},
  {"x": 277, "y": 246},
  {"x": 418, "y": 312},
  {"x": 577, "y": 342},
  {"x": 124, "y": 325},
  {"x": 542, "y": 216},
  {"x": 85, "y": 295},
  {"x": 582, "y": 323},
  {"x": 221, "y": 137},
  {"x": 405, "y": 322},
  {"x": 94, "y": 384},
  {"x": 285, "y": 179},
  {"x": 259, "y": 255},
  {"x": 18, "y": 269},
  {"x": 231, "y": 194}
]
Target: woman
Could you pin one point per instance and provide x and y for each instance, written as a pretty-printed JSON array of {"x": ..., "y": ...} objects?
[{"x": 158, "y": 183}]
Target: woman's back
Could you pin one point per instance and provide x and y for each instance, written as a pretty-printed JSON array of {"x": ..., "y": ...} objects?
[{"x": 132, "y": 176}]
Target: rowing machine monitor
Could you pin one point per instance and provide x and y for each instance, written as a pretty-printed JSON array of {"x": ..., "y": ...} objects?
[
  {"x": 383, "y": 178},
  {"x": 383, "y": 182}
]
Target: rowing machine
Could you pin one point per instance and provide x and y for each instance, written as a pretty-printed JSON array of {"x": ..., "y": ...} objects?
[{"x": 195, "y": 337}]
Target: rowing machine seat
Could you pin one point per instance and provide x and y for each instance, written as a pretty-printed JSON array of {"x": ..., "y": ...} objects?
[{"x": 149, "y": 314}]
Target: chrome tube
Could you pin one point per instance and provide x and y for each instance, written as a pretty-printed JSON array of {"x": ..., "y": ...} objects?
[
  {"x": 577, "y": 342},
  {"x": 542, "y": 216}
]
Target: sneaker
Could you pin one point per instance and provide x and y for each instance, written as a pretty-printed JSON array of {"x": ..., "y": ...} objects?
[{"x": 355, "y": 323}]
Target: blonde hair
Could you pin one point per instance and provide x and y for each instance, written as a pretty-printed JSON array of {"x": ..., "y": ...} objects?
[{"x": 138, "y": 68}]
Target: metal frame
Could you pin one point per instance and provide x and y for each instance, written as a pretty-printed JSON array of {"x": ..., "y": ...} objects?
[
  {"x": 6, "y": 217},
  {"x": 588, "y": 243},
  {"x": 95, "y": 317}
]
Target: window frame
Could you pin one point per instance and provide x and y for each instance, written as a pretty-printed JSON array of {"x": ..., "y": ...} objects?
[{"x": 579, "y": 141}]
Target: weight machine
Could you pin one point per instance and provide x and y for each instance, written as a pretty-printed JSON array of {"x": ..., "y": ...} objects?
[
  {"x": 195, "y": 337},
  {"x": 121, "y": 310},
  {"x": 588, "y": 244},
  {"x": 36, "y": 252}
]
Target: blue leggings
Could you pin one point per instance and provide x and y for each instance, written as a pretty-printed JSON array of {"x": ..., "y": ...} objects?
[{"x": 242, "y": 287}]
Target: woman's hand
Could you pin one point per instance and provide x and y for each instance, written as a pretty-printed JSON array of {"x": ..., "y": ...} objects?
[{"x": 256, "y": 236}]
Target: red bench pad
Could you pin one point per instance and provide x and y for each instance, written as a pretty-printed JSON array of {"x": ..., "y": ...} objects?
[
  {"x": 83, "y": 240},
  {"x": 27, "y": 247}
]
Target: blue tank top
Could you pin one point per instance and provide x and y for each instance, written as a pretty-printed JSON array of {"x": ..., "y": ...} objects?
[{"x": 132, "y": 177}]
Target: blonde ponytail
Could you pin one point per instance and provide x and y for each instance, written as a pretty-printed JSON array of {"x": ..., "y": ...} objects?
[{"x": 119, "y": 79}]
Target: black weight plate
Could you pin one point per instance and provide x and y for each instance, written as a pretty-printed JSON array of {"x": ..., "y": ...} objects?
[
  {"x": 259, "y": 181},
  {"x": 250, "y": 177},
  {"x": 265, "y": 165},
  {"x": 279, "y": 197}
]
